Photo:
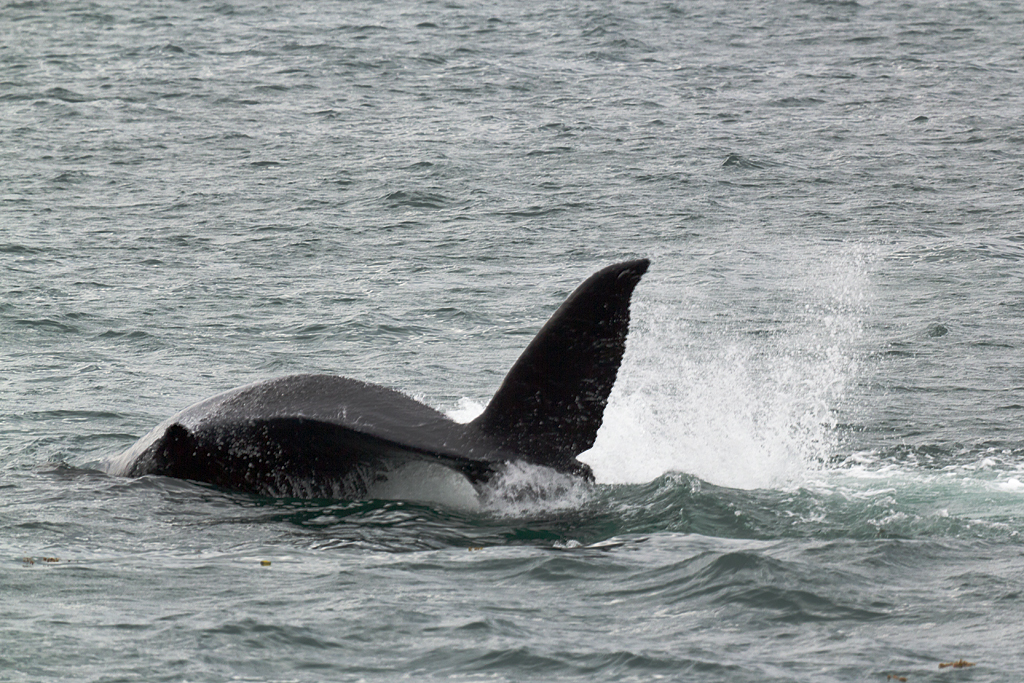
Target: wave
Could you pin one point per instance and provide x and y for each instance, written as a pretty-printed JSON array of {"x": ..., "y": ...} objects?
[{"x": 537, "y": 508}]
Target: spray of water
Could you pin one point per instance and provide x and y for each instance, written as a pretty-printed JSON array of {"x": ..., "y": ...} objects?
[{"x": 733, "y": 403}]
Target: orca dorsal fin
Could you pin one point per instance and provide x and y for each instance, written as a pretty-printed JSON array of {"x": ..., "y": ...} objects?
[{"x": 552, "y": 401}]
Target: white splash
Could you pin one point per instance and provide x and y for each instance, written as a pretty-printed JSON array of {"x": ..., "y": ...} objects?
[
  {"x": 735, "y": 407},
  {"x": 524, "y": 489},
  {"x": 466, "y": 410}
]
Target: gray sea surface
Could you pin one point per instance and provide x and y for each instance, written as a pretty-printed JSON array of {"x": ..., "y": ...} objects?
[{"x": 812, "y": 465}]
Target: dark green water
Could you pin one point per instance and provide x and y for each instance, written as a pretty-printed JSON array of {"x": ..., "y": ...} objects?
[{"x": 812, "y": 466}]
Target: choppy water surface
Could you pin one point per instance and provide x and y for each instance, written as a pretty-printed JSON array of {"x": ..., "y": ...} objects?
[{"x": 812, "y": 467}]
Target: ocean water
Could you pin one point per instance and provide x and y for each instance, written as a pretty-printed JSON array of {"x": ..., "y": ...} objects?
[{"x": 812, "y": 465}]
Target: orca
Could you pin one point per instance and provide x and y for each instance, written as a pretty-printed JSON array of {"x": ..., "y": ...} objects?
[{"x": 322, "y": 436}]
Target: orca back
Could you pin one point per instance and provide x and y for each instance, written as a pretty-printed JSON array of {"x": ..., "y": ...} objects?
[{"x": 324, "y": 436}]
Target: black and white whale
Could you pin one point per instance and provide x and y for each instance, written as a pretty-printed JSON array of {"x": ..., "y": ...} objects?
[{"x": 321, "y": 436}]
